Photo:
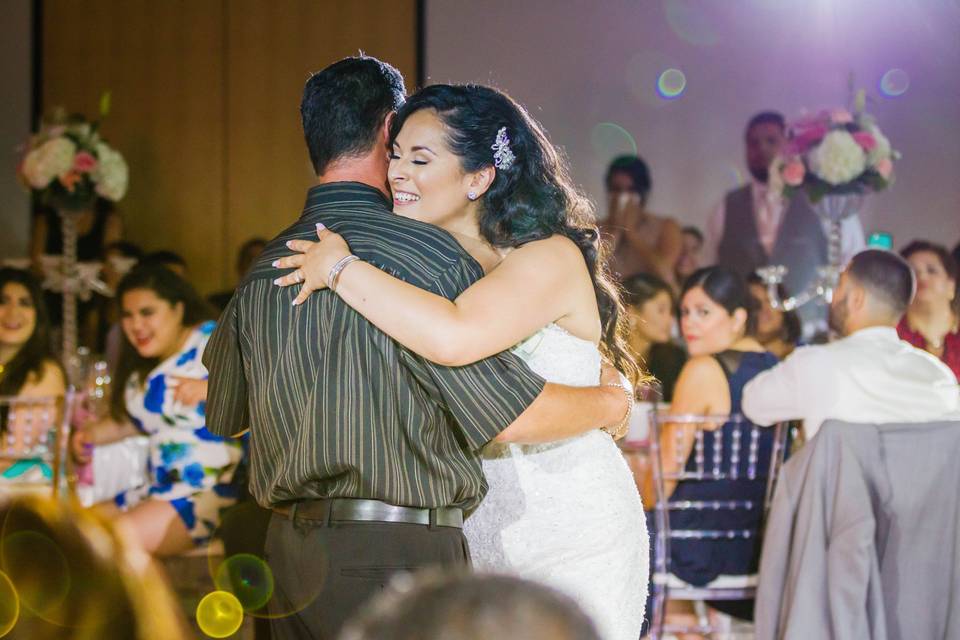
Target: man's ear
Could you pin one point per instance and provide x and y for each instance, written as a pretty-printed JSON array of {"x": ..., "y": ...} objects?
[
  {"x": 740, "y": 317},
  {"x": 387, "y": 121},
  {"x": 857, "y": 297},
  {"x": 479, "y": 181}
]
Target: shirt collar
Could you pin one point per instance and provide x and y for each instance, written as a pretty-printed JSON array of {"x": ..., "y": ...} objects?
[
  {"x": 329, "y": 195},
  {"x": 883, "y": 333}
]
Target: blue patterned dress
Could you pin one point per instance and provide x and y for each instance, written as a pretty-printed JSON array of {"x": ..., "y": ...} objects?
[{"x": 190, "y": 467}]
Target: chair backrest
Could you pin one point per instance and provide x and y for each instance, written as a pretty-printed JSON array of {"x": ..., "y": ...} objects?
[
  {"x": 34, "y": 435},
  {"x": 721, "y": 448}
]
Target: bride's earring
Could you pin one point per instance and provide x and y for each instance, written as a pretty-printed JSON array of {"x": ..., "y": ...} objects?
[{"x": 472, "y": 195}]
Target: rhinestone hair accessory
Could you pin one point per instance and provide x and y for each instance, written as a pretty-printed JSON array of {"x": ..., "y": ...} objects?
[{"x": 502, "y": 155}]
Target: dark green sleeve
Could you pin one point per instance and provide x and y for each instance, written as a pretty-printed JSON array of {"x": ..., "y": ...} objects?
[
  {"x": 227, "y": 409},
  {"x": 485, "y": 397}
]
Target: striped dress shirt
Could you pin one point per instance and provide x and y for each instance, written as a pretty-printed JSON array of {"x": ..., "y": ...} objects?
[{"x": 335, "y": 407}]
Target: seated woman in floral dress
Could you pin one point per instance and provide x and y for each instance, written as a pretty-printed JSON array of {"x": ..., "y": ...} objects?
[{"x": 162, "y": 394}]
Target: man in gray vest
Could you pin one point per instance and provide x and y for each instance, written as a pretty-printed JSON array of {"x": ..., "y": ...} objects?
[{"x": 752, "y": 228}]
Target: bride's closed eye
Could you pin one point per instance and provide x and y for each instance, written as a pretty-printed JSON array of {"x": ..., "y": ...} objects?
[{"x": 394, "y": 156}]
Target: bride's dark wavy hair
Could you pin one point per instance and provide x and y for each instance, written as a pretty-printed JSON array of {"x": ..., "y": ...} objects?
[{"x": 533, "y": 199}]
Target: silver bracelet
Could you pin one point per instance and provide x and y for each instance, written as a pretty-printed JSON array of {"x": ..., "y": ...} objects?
[
  {"x": 336, "y": 269},
  {"x": 619, "y": 429}
]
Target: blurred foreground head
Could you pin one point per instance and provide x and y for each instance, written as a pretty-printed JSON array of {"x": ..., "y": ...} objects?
[
  {"x": 465, "y": 606},
  {"x": 67, "y": 574}
]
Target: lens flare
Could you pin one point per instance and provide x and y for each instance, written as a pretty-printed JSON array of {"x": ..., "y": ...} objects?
[
  {"x": 248, "y": 578},
  {"x": 219, "y": 614},
  {"x": 9, "y": 605},
  {"x": 894, "y": 82},
  {"x": 671, "y": 83},
  {"x": 610, "y": 140},
  {"x": 38, "y": 569},
  {"x": 641, "y": 74}
]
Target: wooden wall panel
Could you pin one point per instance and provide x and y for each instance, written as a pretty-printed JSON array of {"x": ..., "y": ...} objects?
[
  {"x": 273, "y": 47},
  {"x": 164, "y": 63},
  {"x": 205, "y": 105}
]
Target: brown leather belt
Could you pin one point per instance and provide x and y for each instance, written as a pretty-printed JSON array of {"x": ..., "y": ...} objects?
[{"x": 360, "y": 510}]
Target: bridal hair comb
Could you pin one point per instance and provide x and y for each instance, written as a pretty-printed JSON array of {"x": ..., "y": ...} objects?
[{"x": 502, "y": 155}]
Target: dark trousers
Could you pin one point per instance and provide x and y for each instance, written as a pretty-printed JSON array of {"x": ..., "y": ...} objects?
[{"x": 324, "y": 572}]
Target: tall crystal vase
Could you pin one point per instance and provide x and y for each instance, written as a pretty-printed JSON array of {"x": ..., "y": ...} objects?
[
  {"x": 68, "y": 227},
  {"x": 835, "y": 208}
]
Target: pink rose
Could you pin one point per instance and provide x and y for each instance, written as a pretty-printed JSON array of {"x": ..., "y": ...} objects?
[
  {"x": 885, "y": 168},
  {"x": 840, "y": 116},
  {"x": 793, "y": 173},
  {"x": 806, "y": 137},
  {"x": 866, "y": 141},
  {"x": 84, "y": 162}
]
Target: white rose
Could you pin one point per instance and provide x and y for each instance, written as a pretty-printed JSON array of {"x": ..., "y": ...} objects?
[
  {"x": 51, "y": 159},
  {"x": 838, "y": 158},
  {"x": 111, "y": 175},
  {"x": 882, "y": 149}
]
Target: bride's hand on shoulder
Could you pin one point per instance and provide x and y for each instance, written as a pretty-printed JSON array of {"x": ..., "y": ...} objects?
[{"x": 311, "y": 262}]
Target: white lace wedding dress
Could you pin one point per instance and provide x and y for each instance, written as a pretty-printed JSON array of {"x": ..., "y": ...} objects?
[{"x": 567, "y": 513}]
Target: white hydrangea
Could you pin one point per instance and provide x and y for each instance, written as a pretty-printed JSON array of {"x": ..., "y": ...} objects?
[
  {"x": 838, "y": 158},
  {"x": 111, "y": 175},
  {"x": 51, "y": 159}
]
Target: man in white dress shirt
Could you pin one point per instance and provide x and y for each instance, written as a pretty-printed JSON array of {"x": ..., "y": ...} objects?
[{"x": 869, "y": 375}]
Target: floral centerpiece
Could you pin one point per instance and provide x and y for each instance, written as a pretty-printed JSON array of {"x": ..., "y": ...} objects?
[
  {"x": 836, "y": 158},
  {"x": 67, "y": 165},
  {"x": 835, "y": 152}
]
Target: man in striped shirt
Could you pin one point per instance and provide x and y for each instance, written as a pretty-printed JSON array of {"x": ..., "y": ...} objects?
[{"x": 368, "y": 454}]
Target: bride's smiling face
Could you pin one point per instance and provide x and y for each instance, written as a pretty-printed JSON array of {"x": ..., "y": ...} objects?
[{"x": 427, "y": 179}]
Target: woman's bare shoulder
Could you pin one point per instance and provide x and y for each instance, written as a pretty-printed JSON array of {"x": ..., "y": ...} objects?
[
  {"x": 49, "y": 382},
  {"x": 702, "y": 369}
]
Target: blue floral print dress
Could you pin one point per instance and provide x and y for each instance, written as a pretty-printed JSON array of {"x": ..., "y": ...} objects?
[{"x": 190, "y": 467}]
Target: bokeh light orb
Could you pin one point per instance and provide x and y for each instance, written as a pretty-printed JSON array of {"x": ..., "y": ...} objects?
[
  {"x": 38, "y": 569},
  {"x": 247, "y": 577},
  {"x": 894, "y": 82},
  {"x": 219, "y": 614},
  {"x": 671, "y": 84},
  {"x": 9, "y": 605},
  {"x": 609, "y": 140}
]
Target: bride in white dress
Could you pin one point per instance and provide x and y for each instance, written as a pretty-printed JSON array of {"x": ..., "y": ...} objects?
[{"x": 472, "y": 161}]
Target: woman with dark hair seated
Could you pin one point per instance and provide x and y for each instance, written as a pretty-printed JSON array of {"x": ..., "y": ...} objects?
[
  {"x": 778, "y": 331},
  {"x": 28, "y": 369},
  {"x": 162, "y": 393},
  {"x": 718, "y": 321},
  {"x": 650, "y": 308},
  {"x": 931, "y": 319},
  {"x": 28, "y": 366}
]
